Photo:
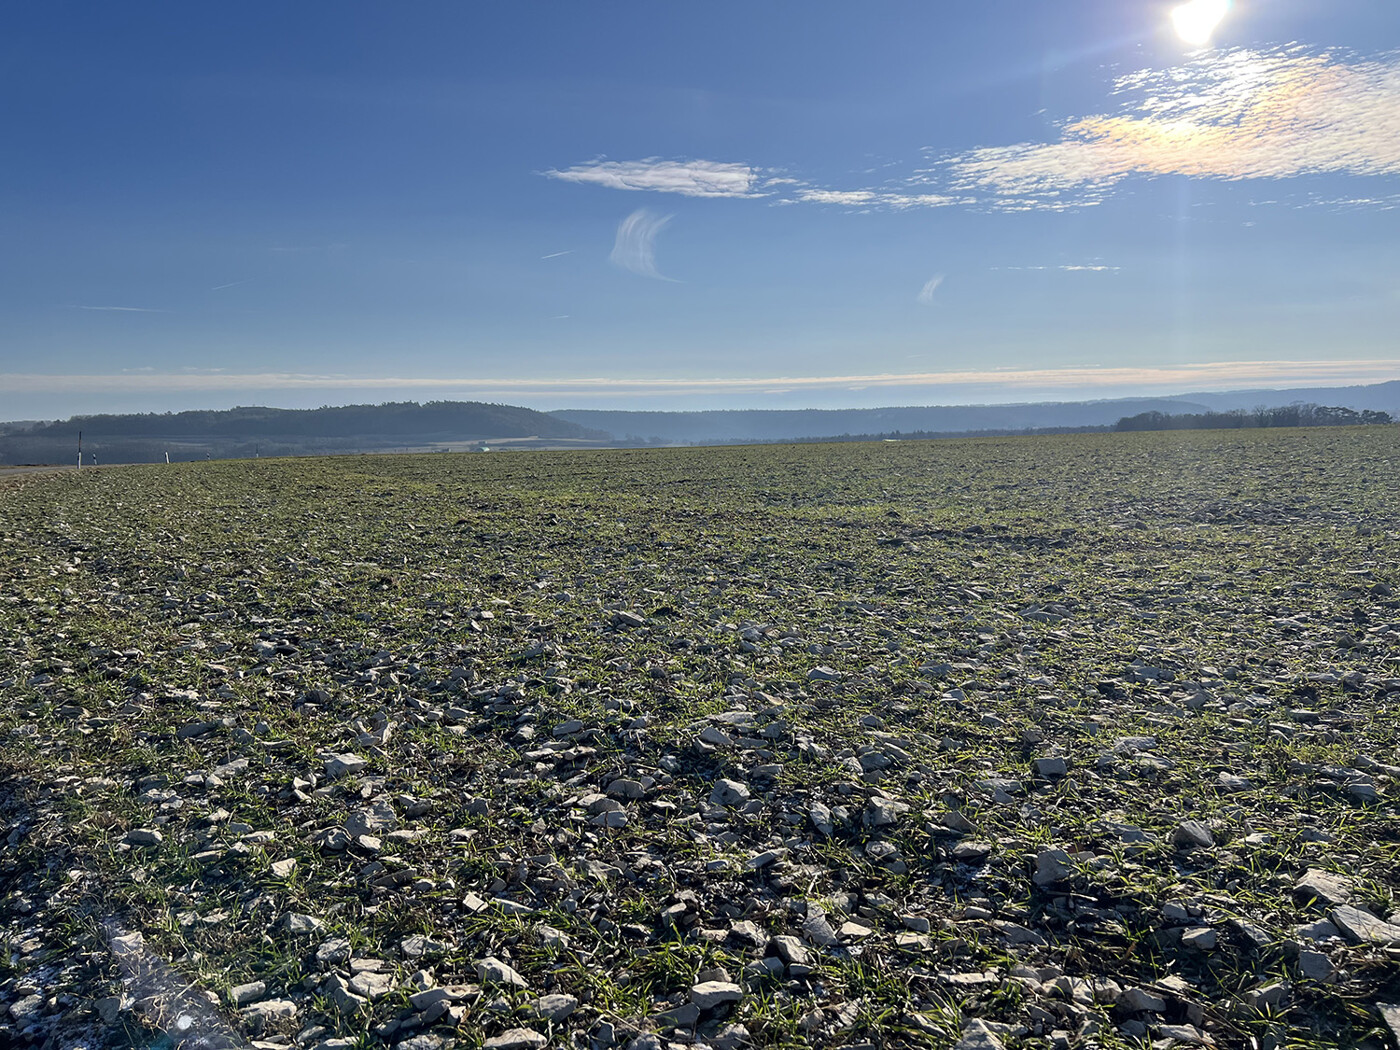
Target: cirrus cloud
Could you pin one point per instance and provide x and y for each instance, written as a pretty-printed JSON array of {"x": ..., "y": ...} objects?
[
  {"x": 872, "y": 199},
  {"x": 930, "y": 286},
  {"x": 689, "y": 178},
  {"x": 634, "y": 249}
]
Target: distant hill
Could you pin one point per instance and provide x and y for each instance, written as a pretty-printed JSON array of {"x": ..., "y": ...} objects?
[
  {"x": 262, "y": 431},
  {"x": 1377, "y": 397},
  {"x": 280, "y": 431},
  {"x": 795, "y": 424},
  {"x": 800, "y": 424}
]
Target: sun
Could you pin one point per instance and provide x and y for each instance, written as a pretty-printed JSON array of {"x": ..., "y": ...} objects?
[{"x": 1196, "y": 20}]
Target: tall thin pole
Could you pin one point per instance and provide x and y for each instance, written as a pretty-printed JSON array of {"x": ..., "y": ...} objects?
[{"x": 80, "y": 450}]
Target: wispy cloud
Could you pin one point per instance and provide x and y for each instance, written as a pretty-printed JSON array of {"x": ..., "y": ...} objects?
[
  {"x": 1004, "y": 382},
  {"x": 689, "y": 178},
  {"x": 871, "y": 199},
  {"x": 232, "y": 284},
  {"x": 1226, "y": 115},
  {"x": 930, "y": 286},
  {"x": 123, "y": 309},
  {"x": 1066, "y": 267},
  {"x": 555, "y": 255},
  {"x": 635, "y": 247}
]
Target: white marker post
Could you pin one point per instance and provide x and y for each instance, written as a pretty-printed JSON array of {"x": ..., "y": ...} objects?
[{"x": 80, "y": 450}]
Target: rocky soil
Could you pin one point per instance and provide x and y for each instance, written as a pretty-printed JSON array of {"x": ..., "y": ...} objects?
[{"x": 1080, "y": 742}]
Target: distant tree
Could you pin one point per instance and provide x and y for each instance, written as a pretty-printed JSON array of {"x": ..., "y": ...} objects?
[{"x": 1297, "y": 414}]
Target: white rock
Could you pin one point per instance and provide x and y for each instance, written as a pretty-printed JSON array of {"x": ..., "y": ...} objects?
[
  {"x": 1325, "y": 887},
  {"x": 709, "y": 994},
  {"x": 259, "y": 1015},
  {"x": 555, "y": 1007},
  {"x": 493, "y": 971},
  {"x": 1185, "y": 1033},
  {"x": 1390, "y": 1014},
  {"x": 1140, "y": 1000},
  {"x": 729, "y": 793},
  {"x": 297, "y": 923},
  {"x": 977, "y": 1035},
  {"x": 243, "y": 994},
  {"x": 1365, "y": 927},
  {"x": 372, "y": 985},
  {"x": 345, "y": 764},
  {"x": 284, "y": 868},
  {"x": 516, "y": 1039}
]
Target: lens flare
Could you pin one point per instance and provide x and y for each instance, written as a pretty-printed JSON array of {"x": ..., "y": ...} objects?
[{"x": 1196, "y": 21}]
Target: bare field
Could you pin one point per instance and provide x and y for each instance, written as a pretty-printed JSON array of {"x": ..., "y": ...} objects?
[{"x": 1050, "y": 742}]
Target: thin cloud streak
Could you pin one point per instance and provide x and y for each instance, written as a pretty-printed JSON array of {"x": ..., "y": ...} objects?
[
  {"x": 232, "y": 284},
  {"x": 689, "y": 178},
  {"x": 555, "y": 255},
  {"x": 1199, "y": 376},
  {"x": 930, "y": 286},
  {"x": 635, "y": 247},
  {"x": 122, "y": 309},
  {"x": 1065, "y": 267},
  {"x": 872, "y": 199}
]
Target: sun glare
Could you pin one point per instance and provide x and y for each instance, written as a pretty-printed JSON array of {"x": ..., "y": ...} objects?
[{"x": 1196, "y": 20}]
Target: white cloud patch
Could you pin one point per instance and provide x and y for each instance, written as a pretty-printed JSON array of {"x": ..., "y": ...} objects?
[
  {"x": 1229, "y": 115},
  {"x": 930, "y": 286},
  {"x": 635, "y": 247},
  {"x": 689, "y": 178}
]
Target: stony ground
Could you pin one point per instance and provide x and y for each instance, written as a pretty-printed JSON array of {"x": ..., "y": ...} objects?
[{"x": 1029, "y": 743}]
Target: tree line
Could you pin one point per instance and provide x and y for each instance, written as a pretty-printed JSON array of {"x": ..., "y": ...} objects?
[
  {"x": 1297, "y": 415},
  {"x": 464, "y": 419}
]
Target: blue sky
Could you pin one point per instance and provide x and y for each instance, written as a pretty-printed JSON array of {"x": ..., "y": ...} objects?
[{"x": 656, "y": 205}]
